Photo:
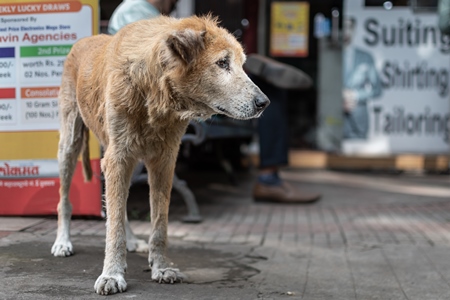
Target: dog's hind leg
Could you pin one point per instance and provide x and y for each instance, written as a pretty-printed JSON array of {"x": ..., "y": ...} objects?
[
  {"x": 161, "y": 170},
  {"x": 133, "y": 243},
  {"x": 70, "y": 144}
]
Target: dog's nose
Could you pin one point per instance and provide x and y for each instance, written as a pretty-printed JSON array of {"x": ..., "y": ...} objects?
[{"x": 261, "y": 102}]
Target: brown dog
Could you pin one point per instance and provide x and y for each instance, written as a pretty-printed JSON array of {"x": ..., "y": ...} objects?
[{"x": 137, "y": 91}]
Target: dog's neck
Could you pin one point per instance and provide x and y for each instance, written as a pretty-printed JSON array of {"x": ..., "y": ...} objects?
[
  {"x": 194, "y": 110},
  {"x": 188, "y": 108}
]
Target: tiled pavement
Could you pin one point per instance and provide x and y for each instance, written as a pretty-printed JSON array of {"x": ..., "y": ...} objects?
[{"x": 370, "y": 237}]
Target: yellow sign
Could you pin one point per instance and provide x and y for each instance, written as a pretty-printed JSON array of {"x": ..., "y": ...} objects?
[{"x": 289, "y": 29}]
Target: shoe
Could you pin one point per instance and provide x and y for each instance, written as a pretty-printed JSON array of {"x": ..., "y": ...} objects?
[
  {"x": 276, "y": 73},
  {"x": 283, "y": 193}
]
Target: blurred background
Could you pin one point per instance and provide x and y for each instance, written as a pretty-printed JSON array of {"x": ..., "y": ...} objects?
[{"x": 379, "y": 99}]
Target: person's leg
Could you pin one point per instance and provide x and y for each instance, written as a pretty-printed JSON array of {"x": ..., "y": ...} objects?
[
  {"x": 273, "y": 128},
  {"x": 273, "y": 143},
  {"x": 281, "y": 75}
]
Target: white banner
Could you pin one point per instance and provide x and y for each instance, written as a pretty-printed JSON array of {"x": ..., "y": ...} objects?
[
  {"x": 396, "y": 81},
  {"x": 33, "y": 48},
  {"x": 33, "y": 168}
]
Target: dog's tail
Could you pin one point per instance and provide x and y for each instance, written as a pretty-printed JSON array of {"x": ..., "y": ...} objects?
[{"x": 85, "y": 158}]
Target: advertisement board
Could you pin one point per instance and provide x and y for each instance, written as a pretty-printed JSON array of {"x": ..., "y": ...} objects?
[
  {"x": 396, "y": 81},
  {"x": 35, "y": 37},
  {"x": 289, "y": 29}
]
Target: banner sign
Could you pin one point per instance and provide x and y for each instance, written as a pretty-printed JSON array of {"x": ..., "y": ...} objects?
[
  {"x": 396, "y": 81},
  {"x": 35, "y": 37},
  {"x": 289, "y": 29}
]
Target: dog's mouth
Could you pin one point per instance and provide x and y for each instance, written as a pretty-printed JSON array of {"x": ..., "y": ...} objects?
[
  {"x": 226, "y": 112},
  {"x": 223, "y": 110}
]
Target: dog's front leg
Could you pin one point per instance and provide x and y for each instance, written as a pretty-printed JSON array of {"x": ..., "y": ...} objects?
[
  {"x": 161, "y": 171},
  {"x": 117, "y": 170}
]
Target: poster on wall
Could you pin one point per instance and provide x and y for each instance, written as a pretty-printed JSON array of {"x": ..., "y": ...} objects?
[
  {"x": 289, "y": 29},
  {"x": 35, "y": 37},
  {"x": 395, "y": 81}
]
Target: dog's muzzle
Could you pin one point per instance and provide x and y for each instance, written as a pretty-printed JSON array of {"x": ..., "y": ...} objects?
[{"x": 261, "y": 102}]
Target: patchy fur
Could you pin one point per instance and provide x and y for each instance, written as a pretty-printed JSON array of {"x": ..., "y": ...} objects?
[{"x": 137, "y": 91}]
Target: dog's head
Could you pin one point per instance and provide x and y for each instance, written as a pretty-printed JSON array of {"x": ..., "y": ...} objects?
[{"x": 207, "y": 71}]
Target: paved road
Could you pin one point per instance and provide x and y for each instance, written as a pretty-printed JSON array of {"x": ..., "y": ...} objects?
[{"x": 370, "y": 237}]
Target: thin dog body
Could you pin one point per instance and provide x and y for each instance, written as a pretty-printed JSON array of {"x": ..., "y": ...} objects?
[{"x": 137, "y": 91}]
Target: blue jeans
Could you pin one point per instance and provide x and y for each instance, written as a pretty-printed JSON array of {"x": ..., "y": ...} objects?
[{"x": 273, "y": 127}]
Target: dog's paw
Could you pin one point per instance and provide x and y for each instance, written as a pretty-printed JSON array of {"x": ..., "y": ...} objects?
[
  {"x": 168, "y": 275},
  {"x": 137, "y": 245},
  {"x": 62, "y": 249},
  {"x": 108, "y": 285}
]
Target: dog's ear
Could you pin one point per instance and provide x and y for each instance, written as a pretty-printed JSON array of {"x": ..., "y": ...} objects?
[{"x": 187, "y": 44}]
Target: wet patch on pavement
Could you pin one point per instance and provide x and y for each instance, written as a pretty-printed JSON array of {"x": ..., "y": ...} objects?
[{"x": 30, "y": 265}]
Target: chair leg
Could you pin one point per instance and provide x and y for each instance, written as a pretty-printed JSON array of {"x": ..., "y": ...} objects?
[{"x": 181, "y": 187}]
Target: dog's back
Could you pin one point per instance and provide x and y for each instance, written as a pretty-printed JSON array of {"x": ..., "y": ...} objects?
[
  {"x": 80, "y": 72},
  {"x": 103, "y": 62}
]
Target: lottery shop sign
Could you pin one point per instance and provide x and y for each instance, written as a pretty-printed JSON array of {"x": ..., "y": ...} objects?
[{"x": 35, "y": 38}]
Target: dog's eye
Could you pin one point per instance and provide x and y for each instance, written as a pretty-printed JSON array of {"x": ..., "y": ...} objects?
[{"x": 224, "y": 64}]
